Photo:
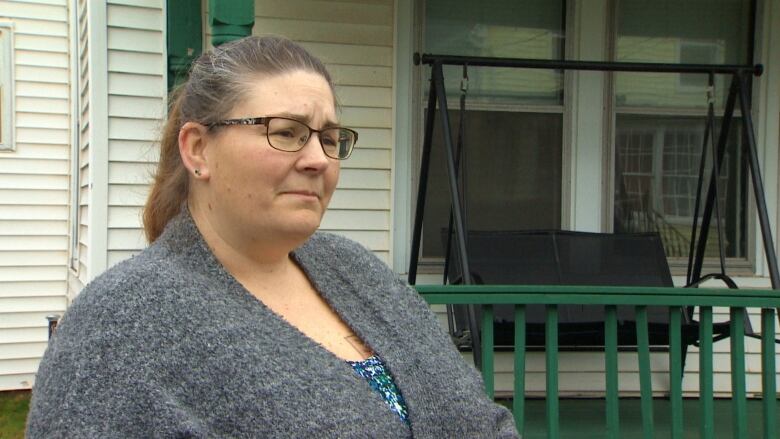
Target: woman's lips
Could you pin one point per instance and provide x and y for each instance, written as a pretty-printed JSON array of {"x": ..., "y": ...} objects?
[{"x": 302, "y": 193}]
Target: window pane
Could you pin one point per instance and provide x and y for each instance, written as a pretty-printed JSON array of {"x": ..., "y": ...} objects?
[
  {"x": 657, "y": 156},
  {"x": 513, "y": 174},
  {"x": 674, "y": 31},
  {"x": 504, "y": 28},
  {"x": 657, "y": 162}
]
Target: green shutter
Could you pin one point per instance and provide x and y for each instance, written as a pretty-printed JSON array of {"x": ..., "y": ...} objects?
[
  {"x": 230, "y": 20},
  {"x": 185, "y": 38}
]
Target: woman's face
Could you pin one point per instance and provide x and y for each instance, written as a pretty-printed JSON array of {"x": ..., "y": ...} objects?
[{"x": 256, "y": 194}]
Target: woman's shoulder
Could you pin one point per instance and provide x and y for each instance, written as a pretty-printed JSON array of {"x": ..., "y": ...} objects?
[
  {"x": 130, "y": 277},
  {"x": 143, "y": 288}
]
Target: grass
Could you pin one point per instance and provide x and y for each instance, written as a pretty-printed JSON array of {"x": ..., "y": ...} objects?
[{"x": 13, "y": 413}]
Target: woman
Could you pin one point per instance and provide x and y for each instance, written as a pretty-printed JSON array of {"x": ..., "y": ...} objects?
[{"x": 239, "y": 320}]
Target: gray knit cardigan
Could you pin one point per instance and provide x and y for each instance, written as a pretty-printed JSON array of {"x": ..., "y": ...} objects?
[{"x": 169, "y": 344}]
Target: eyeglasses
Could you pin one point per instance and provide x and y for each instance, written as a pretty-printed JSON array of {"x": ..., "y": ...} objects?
[{"x": 290, "y": 135}]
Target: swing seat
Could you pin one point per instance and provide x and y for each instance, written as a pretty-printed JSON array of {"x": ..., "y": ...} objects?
[{"x": 555, "y": 257}]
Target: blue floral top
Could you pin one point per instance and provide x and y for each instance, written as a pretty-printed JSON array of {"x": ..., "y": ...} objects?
[{"x": 374, "y": 371}]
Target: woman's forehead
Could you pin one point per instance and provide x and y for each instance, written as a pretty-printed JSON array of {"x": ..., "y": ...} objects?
[{"x": 300, "y": 94}]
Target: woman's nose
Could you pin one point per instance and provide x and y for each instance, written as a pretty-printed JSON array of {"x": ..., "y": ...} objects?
[{"x": 313, "y": 155}]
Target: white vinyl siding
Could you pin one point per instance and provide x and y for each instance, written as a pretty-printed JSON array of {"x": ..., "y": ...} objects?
[
  {"x": 34, "y": 187},
  {"x": 136, "y": 102},
  {"x": 355, "y": 41}
]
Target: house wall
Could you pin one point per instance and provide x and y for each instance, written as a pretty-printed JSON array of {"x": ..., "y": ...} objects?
[
  {"x": 34, "y": 188},
  {"x": 126, "y": 40},
  {"x": 118, "y": 99},
  {"x": 137, "y": 91}
]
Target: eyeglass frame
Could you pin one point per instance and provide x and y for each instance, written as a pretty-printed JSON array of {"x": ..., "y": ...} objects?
[{"x": 265, "y": 120}]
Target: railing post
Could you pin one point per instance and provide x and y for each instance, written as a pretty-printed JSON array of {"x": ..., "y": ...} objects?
[
  {"x": 675, "y": 370},
  {"x": 705, "y": 373},
  {"x": 645, "y": 380},
  {"x": 518, "y": 403},
  {"x": 487, "y": 349},
  {"x": 611, "y": 366},
  {"x": 551, "y": 362},
  {"x": 768, "y": 379},
  {"x": 738, "y": 402}
]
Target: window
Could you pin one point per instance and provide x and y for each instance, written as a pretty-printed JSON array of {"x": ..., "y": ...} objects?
[
  {"x": 6, "y": 87},
  {"x": 660, "y": 118},
  {"x": 513, "y": 123}
]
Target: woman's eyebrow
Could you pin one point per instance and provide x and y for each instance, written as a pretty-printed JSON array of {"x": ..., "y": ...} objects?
[{"x": 306, "y": 119}]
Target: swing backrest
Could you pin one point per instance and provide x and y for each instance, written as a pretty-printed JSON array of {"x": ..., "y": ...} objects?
[{"x": 554, "y": 257}]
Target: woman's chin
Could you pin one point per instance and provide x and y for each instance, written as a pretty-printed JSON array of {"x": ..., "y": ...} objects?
[{"x": 301, "y": 228}]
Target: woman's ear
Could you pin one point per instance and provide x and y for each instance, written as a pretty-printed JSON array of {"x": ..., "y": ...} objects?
[{"x": 193, "y": 141}]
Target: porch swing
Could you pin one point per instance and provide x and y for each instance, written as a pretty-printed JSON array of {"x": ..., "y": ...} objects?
[{"x": 555, "y": 257}]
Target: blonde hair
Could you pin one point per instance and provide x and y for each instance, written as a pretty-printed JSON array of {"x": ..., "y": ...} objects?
[{"x": 218, "y": 81}]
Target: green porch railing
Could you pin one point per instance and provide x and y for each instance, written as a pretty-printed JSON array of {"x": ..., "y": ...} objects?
[{"x": 610, "y": 297}]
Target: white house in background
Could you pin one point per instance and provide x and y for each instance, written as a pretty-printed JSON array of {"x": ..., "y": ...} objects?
[{"x": 83, "y": 88}]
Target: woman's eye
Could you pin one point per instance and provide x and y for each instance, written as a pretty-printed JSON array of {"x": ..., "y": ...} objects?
[{"x": 284, "y": 133}]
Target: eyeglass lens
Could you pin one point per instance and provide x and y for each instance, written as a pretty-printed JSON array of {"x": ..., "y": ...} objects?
[{"x": 291, "y": 135}]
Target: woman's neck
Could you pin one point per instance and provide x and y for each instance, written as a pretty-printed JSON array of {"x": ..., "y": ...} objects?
[{"x": 248, "y": 260}]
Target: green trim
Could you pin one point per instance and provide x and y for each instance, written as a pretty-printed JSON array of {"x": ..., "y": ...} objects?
[
  {"x": 230, "y": 20},
  {"x": 185, "y": 38},
  {"x": 580, "y": 295}
]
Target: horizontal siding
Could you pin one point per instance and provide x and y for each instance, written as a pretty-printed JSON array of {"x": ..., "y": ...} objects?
[
  {"x": 17, "y": 381},
  {"x": 34, "y": 188},
  {"x": 355, "y": 41},
  {"x": 136, "y": 104}
]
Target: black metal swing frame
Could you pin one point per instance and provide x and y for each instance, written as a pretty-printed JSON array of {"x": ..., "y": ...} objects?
[{"x": 738, "y": 90}]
